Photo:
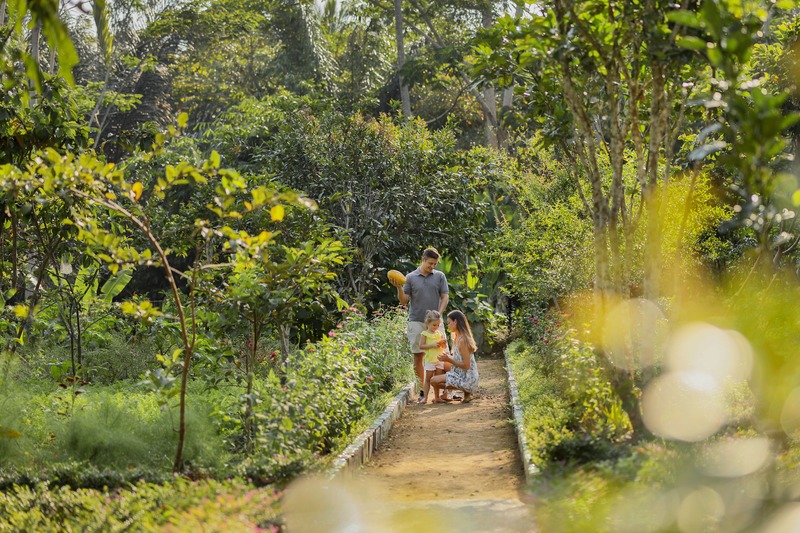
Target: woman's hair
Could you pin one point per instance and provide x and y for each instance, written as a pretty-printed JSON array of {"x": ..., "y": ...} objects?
[
  {"x": 462, "y": 328},
  {"x": 432, "y": 315}
]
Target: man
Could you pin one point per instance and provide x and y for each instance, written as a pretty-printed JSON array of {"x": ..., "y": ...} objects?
[{"x": 426, "y": 289}]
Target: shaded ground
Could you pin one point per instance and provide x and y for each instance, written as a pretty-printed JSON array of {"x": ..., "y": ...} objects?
[
  {"x": 455, "y": 466},
  {"x": 453, "y": 450},
  {"x": 443, "y": 468}
]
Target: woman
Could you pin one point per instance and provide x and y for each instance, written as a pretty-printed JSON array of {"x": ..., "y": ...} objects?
[{"x": 464, "y": 373}]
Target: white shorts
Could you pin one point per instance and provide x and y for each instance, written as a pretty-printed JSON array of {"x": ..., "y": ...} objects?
[
  {"x": 412, "y": 332},
  {"x": 430, "y": 367}
]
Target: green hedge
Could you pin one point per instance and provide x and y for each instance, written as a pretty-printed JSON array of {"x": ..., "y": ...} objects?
[
  {"x": 178, "y": 505},
  {"x": 306, "y": 412}
]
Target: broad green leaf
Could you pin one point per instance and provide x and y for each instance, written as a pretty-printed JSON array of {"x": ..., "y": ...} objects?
[
  {"x": 115, "y": 284},
  {"x": 685, "y": 18},
  {"x": 691, "y": 42},
  {"x": 712, "y": 18}
]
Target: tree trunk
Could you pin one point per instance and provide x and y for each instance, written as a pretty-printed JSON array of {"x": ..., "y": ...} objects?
[
  {"x": 507, "y": 99},
  {"x": 250, "y": 367},
  {"x": 492, "y": 122},
  {"x": 652, "y": 193},
  {"x": 36, "y": 35},
  {"x": 283, "y": 333},
  {"x": 405, "y": 100}
]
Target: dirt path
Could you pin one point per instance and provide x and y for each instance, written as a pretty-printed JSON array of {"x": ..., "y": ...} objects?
[
  {"x": 443, "y": 468},
  {"x": 461, "y": 451},
  {"x": 458, "y": 457}
]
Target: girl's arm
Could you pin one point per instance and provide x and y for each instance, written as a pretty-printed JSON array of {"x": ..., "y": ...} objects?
[{"x": 423, "y": 342}]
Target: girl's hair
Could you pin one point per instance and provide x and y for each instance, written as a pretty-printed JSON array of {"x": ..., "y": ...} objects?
[
  {"x": 432, "y": 315},
  {"x": 462, "y": 328}
]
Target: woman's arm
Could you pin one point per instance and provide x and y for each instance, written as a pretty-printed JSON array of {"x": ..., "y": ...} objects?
[{"x": 466, "y": 356}]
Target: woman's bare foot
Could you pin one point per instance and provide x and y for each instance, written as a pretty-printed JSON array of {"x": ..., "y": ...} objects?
[
  {"x": 467, "y": 398},
  {"x": 439, "y": 400}
]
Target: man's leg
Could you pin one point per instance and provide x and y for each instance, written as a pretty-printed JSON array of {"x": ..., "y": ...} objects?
[
  {"x": 413, "y": 331},
  {"x": 419, "y": 369}
]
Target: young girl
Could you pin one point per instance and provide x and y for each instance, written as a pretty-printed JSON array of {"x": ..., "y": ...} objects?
[
  {"x": 464, "y": 374},
  {"x": 433, "y": 344}
]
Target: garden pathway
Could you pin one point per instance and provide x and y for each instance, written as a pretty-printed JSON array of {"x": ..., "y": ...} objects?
[{"x": 443, "y": 468}]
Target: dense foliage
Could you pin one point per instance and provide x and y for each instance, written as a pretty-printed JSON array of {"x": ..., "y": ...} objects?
[
  {"x": 196, "y": 221},
  {"x": 306, "y": 408}
]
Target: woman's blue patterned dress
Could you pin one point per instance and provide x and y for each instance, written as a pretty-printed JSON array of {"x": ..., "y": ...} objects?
[{"x": 466, "y": 380}]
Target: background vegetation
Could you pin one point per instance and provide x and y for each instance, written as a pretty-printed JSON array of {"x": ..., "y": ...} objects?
[{"x": 199, "y": 201}]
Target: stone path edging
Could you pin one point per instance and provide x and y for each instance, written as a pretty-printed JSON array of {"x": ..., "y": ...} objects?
[
  {"x": 362, "y": 448},
  {"x": 527, "y": 463}
]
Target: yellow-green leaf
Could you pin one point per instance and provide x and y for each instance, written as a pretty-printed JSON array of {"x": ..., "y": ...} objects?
[
  {"x": 214, "y": 159},
  {"x": 276, "y": 213}
]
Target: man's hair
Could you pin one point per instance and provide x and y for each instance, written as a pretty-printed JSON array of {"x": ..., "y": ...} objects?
[{"x": 431, "y": 253}]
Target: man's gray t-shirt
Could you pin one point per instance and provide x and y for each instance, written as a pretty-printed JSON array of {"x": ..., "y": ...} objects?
[{"x": 424, "y": 292}]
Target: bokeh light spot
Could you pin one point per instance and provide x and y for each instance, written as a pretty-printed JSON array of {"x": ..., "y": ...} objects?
[
  {"x": 631, "y": 333},
  {"x": 790, "y": 414},
  {"x": 686, "y": 406},
  {"x": 700, "y": 347},
  {"x": 786, "y": 520},
  {"x": 700, "y": 511},
  {"x": 736, "y": 457}
]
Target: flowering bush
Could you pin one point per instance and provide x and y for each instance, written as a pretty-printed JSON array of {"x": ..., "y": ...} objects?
[
  {"x": 578, "y": 373},
  {"x": 327, "y": 389}
]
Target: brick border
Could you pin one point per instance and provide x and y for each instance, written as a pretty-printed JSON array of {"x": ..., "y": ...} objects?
[
  {"x": 361, "y": 449},
  {"x": 527, "y": 463}
]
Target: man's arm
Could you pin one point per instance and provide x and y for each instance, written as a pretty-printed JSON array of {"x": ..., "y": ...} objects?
[
  {"x": 403, "y": 297},
  {"x": 444, "y": 298}
]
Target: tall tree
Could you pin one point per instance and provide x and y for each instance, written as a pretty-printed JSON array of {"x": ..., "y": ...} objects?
[
  {"x": 401, "y": 57},
  {"x": 612, "y": 87}
]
